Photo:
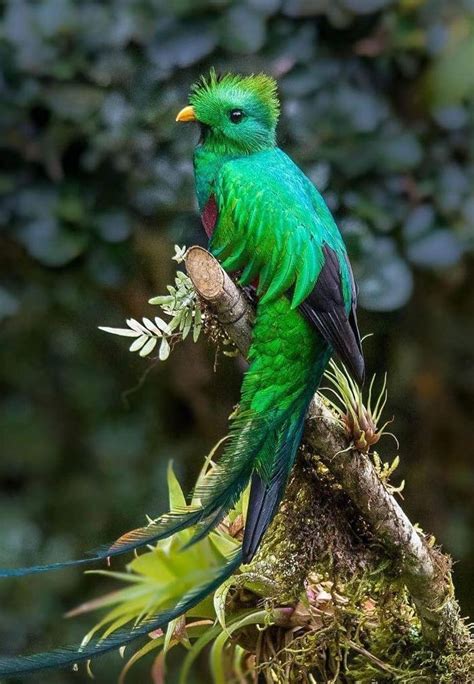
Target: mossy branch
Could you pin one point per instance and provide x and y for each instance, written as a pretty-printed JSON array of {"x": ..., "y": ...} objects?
[{"x": 424, "y": 570}]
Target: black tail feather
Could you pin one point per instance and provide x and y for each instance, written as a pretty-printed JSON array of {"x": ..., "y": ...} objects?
[
  {"x": 269, "y": 482},
  {"x": 263, "y": 504}
]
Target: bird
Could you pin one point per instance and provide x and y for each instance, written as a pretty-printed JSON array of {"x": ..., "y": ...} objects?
[{"x": 271, "y": 229}]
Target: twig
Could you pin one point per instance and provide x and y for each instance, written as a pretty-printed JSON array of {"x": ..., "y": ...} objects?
[{"x": 425, "y": 571}]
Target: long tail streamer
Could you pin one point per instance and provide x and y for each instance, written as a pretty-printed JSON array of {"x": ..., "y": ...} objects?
[
  {"x": 69, "y": 655},
  {"x": 218, "y": 494}
]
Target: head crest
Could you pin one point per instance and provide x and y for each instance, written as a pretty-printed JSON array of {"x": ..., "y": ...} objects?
[{"x": 261, "y": 86}]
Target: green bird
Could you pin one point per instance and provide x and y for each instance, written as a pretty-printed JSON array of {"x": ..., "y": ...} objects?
[{"x": 267, "y": 223}]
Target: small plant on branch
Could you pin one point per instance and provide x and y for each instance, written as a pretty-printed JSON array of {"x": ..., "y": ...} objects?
[
  {"x": 360, "y": 420},
  {"x": 181, "y": 306}
]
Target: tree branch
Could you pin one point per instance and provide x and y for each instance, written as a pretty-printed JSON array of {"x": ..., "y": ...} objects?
[{"x": 425, "y": 571}]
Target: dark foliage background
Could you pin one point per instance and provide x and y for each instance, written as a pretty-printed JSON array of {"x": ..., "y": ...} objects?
[{"x": 96, "y": 186}]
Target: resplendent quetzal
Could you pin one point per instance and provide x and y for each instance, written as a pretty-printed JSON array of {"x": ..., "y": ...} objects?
[{"x": 266, "y": 221}]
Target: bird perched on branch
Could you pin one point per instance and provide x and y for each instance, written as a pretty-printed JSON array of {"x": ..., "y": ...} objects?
[{"x": 266, "y": 221}]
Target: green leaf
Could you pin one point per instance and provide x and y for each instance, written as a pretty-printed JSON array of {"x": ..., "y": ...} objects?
[
  {"x": 219, "y": 601},
  {"x": 217, "y": 652},
  {"x": 124, "y": 332},
  {"x": 195, "y": 650},
  {"x": 154, "y": 567},
  {"x": 176, "y": 320},
  {"x": 188, "y": 321},
  {"x": 138, "y": 344},
  {"x": 197, "y": 323},
  {"x": 162, "y": 325},
  {"x": 239, "y": 655},
  {"x": 169, "y": 634},
  {"x": 135, "y": 325},
  {"x": 120, "y": 615},
  {"x": 177, "y": 500},
  {"x": 160, "y": 300},
  {"x": 223, "y": 543},
  {"x": 151, "y": 326},
  {"x": 149, "y": 346},
  {"x": 164, "y": 349}
]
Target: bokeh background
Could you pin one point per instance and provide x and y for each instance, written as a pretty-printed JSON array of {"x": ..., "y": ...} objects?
[{"x": 96, "y": 186}]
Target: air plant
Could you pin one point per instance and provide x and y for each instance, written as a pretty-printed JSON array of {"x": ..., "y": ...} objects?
[{"x": 360, "y": 420}]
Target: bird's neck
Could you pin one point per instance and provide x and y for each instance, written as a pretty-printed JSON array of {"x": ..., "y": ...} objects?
[{"x": 207, "y": 164}]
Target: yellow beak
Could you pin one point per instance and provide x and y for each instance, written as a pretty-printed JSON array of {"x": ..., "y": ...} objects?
[{"x": 186, "y": 114}]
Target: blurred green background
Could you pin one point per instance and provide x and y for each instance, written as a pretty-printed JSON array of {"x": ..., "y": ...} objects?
[{"x": 96, "y": 186}]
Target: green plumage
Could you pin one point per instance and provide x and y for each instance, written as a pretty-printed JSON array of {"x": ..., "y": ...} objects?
[
  {"x": 272, "y": 226},
  {"x": 269, "y": 224}
]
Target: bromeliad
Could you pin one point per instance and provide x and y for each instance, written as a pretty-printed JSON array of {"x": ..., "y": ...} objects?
[{"x": 267, "y": 223}]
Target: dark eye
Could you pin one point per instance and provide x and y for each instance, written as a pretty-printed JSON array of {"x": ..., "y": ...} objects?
[{"x": 236, "y": 116}]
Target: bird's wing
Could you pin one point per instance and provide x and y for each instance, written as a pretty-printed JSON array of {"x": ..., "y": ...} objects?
[
  {"x": 277, "y": 231},
  {"x": 325, "y": 309}
]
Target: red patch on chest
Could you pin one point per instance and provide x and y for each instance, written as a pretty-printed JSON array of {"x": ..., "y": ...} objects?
[{"x": 209, "y": 216}]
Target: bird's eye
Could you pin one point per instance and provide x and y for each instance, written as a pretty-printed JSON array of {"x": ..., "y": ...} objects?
[{"x": 236, "y": 116}]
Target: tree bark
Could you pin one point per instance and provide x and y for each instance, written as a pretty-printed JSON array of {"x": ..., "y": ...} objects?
[{"x": 424, "y": 570}]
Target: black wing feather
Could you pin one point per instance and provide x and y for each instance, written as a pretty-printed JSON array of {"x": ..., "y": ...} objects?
[{"x": 324, "y": 308}]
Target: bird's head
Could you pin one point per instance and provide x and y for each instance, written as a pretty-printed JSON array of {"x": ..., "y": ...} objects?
[{"x": 237, "y": 114}]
